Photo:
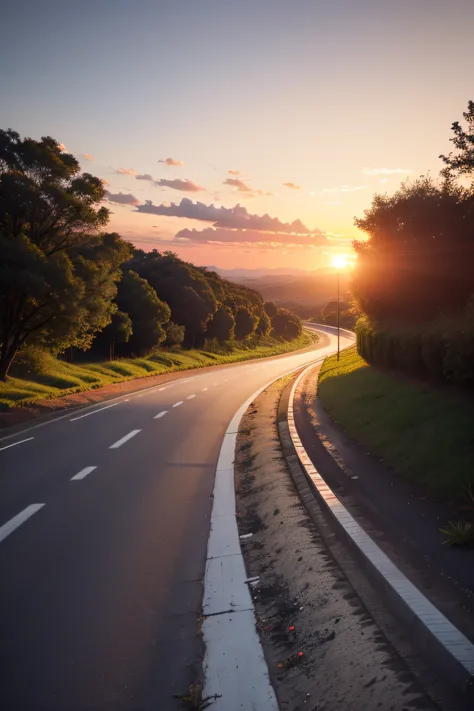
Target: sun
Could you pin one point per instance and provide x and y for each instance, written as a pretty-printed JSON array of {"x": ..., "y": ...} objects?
[{"x": 339, "y": 261}]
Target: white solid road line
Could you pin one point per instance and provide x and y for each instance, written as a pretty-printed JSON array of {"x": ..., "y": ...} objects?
[
  {"x": 190, "y": 397},
  {"x": 177, "y": 404},
  {"x": 94, "y": 412},
  {"x": 160, "y": 414},
  {"x": 83, "y": 473},
  {"x": 15, "y": 443},
  {"x": 17, "y": 520},
  {"x": 124, "y": 439}
]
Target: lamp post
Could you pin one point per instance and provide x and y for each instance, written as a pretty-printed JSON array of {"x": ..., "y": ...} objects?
[{"x": 338, "y": 262}]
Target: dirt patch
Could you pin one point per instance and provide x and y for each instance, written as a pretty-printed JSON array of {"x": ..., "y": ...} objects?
[{"x": 323, "y": 650}]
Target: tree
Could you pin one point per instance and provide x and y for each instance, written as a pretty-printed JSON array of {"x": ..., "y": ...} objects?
[
  {"x": 57, "y": 272},
  {"x": 245, "y": 323},
  {"x": 462, "y": 163},
  {"x": 418, "y": 262},
  {"x": 183, "y": 287},
  {"x": 222, "y": 324},
  {"x": 148, "y": 313},
  {"x": 286, "y": 325},
  {"x": 174, "y": 335},
  {"x": 118, "y": 331},
  {"x": 270, "y": 309},
  {"x": 264, "y": 325}
]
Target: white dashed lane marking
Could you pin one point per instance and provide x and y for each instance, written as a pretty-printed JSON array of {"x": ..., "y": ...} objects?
[
  {"x": 204, "y": 390},
  {"x": 190, "y": 397},
  {"x": 160, "y": 414},
  {"x": 118, "y": 444},
  {"x": 17, "y": 520},
  {"x": 177, "y": 404},
  {"x": 83, "y": 473}
]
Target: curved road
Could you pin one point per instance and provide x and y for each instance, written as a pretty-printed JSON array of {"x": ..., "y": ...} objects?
[{"x": 104, "y": 522}]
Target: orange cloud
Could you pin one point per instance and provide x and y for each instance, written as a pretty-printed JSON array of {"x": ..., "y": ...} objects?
[
  {"x": 234, "y": 172},
  {"x": 61, "y": 146},
  {"x": 123, "y": 198},
  {"x": 127, "y": 171},
  {"x": 251, "y": 237},
  {"x": 171, "y": 161},
  {"x": 239, "y": 185},
  {"x": 88, "y": 156},
  {"x": 185, "y": 185},
  {"x": 105, "y": 182},
  {"x": 292, "y": 186}
]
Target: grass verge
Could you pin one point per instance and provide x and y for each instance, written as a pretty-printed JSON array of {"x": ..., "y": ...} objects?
[
  {"x": 426, "y": 435},
  {"x": 52, "y": 378}
]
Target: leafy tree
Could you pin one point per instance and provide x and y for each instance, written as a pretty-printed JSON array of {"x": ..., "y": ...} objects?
[
  {"x": 264, "y": 325},
  {"x": 222, "y": 324},
  {"x": 117, "y": 332},
  {"x": 148, "y": 313},
  {"x": 270, "y": 309},
  {"x": 286, "y": 325},
  {"x": 245, "y": 323},
  {"x": 183, "y": 287},
  {"x": 174, "y": 335},
  {"x": 418, "y": 262},
  {"x": 57, "y": 273},
  {"x": 462, "y": 163}
]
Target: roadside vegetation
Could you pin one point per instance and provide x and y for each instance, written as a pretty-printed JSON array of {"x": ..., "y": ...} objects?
[
  {"x": 423, "y": 433},
  {"x": 80, "y": 307},
  {"x": 39, "y": 375}
]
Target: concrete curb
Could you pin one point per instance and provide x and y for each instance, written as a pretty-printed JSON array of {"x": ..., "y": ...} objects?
[{"x": 448, "y": 650}]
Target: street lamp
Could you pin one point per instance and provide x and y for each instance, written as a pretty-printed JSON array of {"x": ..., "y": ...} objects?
[{"x": 338, "y": 262}]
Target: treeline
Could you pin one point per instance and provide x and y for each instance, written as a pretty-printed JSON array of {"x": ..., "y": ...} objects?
[
  {"x": 414, "y": 279},
  {"x": 66, "y": 283}
]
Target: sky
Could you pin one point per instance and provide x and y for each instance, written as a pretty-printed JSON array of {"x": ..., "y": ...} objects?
[{"x": 207, "y": 118}]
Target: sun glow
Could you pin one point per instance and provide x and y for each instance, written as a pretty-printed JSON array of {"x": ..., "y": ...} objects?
[{"x": 339, "y": 261}]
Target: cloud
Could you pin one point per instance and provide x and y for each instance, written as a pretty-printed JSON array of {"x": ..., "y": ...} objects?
[
  {"x": 234, "y": 172},
  {"x": 239, "y": 184},
  {"x": 88, "y": 156},
  {"x": 246, "y": 189},
  {"x": 105, "y": 182},
  {"x": 250, "y": 237},
  {"x": 386, "y": 171},
  {"x": 143, "y": 176},
  {"x": 185, "y": 185},
  {"x": 236, "y": 217},
  {"x": 292, "y": 186},
  {"x": 171, "y": 161},
  {"x": 62, "y": 147},
  {"x": 123, "y": 199},
  {"x": 127, "y": 171},
  {"x": 345, "y": 189}
]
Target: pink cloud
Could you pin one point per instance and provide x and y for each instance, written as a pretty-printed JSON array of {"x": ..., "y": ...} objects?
[
  {"x": 126, "y": 171},
  {"x": 251, "y": 237},
  {"x": 123, "y": 198},
  {"x": 239, "y": 185},
  {"x": 185, "y": 185},
  {"x": 234, "y": 172},
  {"x": 171, "y": 161},
  {"x": 88, "y": 156},
  {"x": 292, "y": 186},
  {"x": 143, "y": 176}
]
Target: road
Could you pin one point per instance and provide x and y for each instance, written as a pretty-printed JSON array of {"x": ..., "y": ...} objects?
[{"x": 104, "y": 522}]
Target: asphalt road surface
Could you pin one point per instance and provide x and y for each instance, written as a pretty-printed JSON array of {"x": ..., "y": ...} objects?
[{"x": 104, "y": 522}]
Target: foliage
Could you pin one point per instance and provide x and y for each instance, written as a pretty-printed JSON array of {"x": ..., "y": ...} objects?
[
  {"x": 222, "y": 324},
  {"x": 459, "y": 533},
  {"x": 118, "y": 331},
  {"x": 418, "y": 263},
  {"x": 462, "y": 163},
  {"x": 174, "y": 335},
  {"x": 57, "y": 272},
  {"x": 422, "y": 433},
  {"x": 245, "y": 322},
  {"x": 270, "y": 309},
  {"x": 286, "y": 325},
  {"x": 264, "y": 325}
]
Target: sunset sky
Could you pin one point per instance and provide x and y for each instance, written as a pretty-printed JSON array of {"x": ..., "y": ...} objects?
[{"x": 299, "y": 110}]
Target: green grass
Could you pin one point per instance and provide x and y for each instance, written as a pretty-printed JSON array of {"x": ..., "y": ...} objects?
[
  {"x": 425, "y": 434},
  {"x": 46, "y": 377}
]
